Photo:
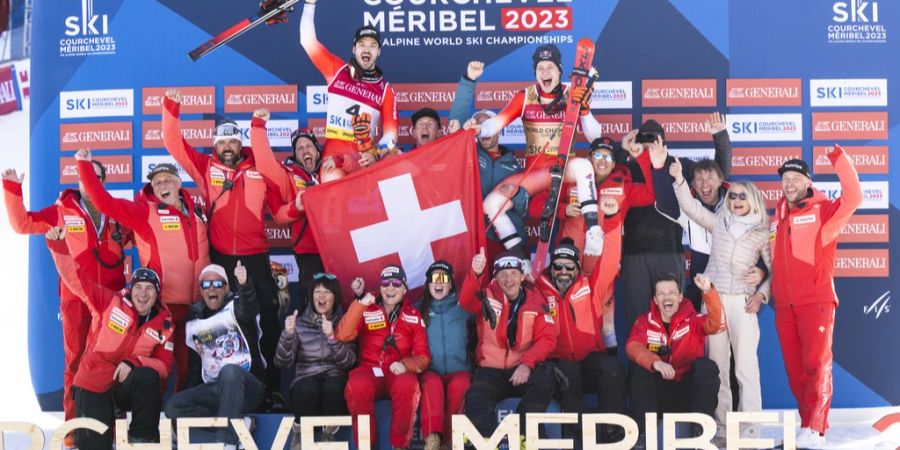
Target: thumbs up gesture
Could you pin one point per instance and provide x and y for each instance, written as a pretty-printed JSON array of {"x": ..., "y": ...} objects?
[
  {"x": 327, "y": 327},
  {"x": 290, "y": 322},
  {"x": 240, "y": 273},
  {"x": 479, "y": 261}
]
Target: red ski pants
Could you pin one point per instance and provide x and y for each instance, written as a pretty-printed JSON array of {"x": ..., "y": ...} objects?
[
  {"x": 805, "y": 333},
  {"x": 442, "y": 397},
  {"x": 76, "y": 326},
  {"x": 363, "y": 388},
  {"x": 179, "y": 316}
]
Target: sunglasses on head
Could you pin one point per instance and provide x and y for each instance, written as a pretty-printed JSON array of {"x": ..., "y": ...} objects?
[
  {"x": 395, "y": 282},
  {"x": 598, "y": 155},
  {"x": 327, "y": 276},
  {"x": 439, "y": 277},
  {"x": 736, "y": 195},
  {"x": 227, "y": 130},
  {"x": 206, "y": 284},
  {"x": 558, "y": 267}
]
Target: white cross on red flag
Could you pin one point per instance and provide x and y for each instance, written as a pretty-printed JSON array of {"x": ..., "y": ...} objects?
[{"x": 411, "y": 210}]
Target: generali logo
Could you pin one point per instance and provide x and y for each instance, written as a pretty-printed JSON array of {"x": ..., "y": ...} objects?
[
  {"x": 770, "y": 191},
  {"x": 862, "y": 263},
  {"x": 612, "y": 125},
  {"x": 682, "y": 127},
  {"x": 866, "y": 159},
  {"x": 678, "y": 93},
  {"x": 96, "y": 136},
  {"x": 763, "y": 92},
  {"x": 850, "y": 125},
  {"x": 761, "y": 160},
  {"x": 865, "y": 228},
  {"x": 119, "y": 169},
  {"x": 279, "y": 235},
  {"x": 198, "y": 133},
  {"x": 410, "y": 97},
  {"x": 493, "y": 95},
  {"x": 275, "y": 98},
  {"x": 199, "y": 100}
]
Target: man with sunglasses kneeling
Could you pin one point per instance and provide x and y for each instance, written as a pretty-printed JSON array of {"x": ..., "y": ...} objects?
[{"x": 226, "y": 369}]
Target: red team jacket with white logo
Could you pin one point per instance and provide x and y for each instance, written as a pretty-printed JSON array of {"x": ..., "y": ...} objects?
[
  {"x": 237, "y": 216},
  {"x": 536, "y": 336},
  {"x": 169, "y": 242},
  {"x": 805, "y": 239},
  {"x": 373, "y": 327},
  {"x": 685, "y": 339}
]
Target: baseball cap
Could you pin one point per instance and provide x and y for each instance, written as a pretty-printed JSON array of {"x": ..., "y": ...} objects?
[
  {"x": 213, "y": 268},
  {"x": 795, "y": 165},
  {"x": 648, "y": 131},
  {"x": 425, "y": 112},
  {"x": 393, "y": 272},
  {"x": 367, "y": 31},
  {"x": 163, "y": 168}
]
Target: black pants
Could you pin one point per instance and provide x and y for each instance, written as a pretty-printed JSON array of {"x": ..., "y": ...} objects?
[
  {"x": 308, "y": 264},
  {"x": 638, "y": 272},
  {"x": 697, "y": 392},
  {"x": 489, "y": 386},
  {"x": 260, "y": 274},
  {"x": 139, "y": 393},
  {"x": 319, "y": 395},
  {"x": 598, "y": 373}
]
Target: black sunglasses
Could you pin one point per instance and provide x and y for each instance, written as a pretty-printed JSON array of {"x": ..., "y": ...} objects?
[
  {"x": 558, "y": 267},
  {"x": 735, "y": 195},
  {"x": 206, "y": 284}
]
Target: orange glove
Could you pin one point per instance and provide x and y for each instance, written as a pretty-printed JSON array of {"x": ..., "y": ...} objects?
[
  {"x": 583, "y": 95},
  {"x": 362, "y": 128}
]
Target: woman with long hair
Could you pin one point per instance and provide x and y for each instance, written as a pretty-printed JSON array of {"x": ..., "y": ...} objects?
[
  {"x": 445, "y": 383},
  {"x": 740, "y": 237},
  {"x": 320, "y": 361}
]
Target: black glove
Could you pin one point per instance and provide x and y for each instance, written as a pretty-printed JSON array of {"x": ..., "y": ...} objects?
[{"x": 487, "y": 310}]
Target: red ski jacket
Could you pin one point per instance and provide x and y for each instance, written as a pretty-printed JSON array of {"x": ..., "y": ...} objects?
[
  {"x": 374, "y": 326},
  {"x": 685, "y": 338},
  {"x": 805, "y": 239},
  {"x": 536, "y": 336},
  {"x": 169, "y": 242},
  {"x": 237, "y": 195},
  {"x": 579, "y": 313}
]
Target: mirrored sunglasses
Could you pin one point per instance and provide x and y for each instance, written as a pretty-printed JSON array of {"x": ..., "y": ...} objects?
[
  {"x": 206, "y": 284},
  {"x": 598, "y": 155},
  {"x": 439, "y": 277},
  {"x": 391, "y": 282}
]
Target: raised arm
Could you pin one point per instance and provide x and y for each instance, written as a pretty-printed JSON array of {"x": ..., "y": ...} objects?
[
  {"x": 264, "y": 158},
  {"x": 722, "y": 142},
  {"x": 509, "y": 113},
  {"x": 692, "y": 207},
  {"x": 127, "y": 212},
  {"x": 851, "y": 195},
  {"x": 327, "y": 63},
  {"x": 21, "y": 220},
  {"x": 193, "y": 162},
  {"x": 390, "y": 124}
]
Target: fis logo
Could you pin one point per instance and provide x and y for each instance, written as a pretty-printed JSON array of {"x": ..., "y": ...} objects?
[
  {"x": 879, "y": 306},
  {"x": 855, "y": 11},
  {"x": 88, "y": 24}
]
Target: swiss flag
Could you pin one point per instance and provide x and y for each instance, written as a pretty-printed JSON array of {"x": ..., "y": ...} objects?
[{"x": 410, "y": 210}]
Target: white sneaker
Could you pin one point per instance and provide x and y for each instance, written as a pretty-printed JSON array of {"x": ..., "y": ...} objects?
[
  {"x": 808, "y": 438},
  {"x": 593, "y": 241}
]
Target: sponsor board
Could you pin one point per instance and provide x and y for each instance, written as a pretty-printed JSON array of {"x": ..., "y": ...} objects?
[
  {"x": 612, "y": 95},
  {"x": 118, "y": 169},
  {"x": 762, "y": 160},
  {"x": 866, "y": 159},
  {"x": 763, "y": 92},
  {"x": 317, "y": 98},
  {"x": 413, "y": 96},
  {"x": 495, "y": 95},
  {"x": 149, "y": 162},
  {"x": 96, "y": 103},
  {"x": 862, "y": 263},
  {"x": 694, "y": 154},
  {"x": 279, "y": 235},
  {"x": 513, "y": 134},
  {"x": 866, "y": 228},
  {"x": 194, "y": 99},
  {"x": 850, "y": 125},
  {"x": 279, "y": 131},
  {"x": 683, "y": 127},
  {"x": 275, "y": 98},
  {"x": 198, "y": 197},
  {"x": 86, "y": 32},
  {"x": 611, "y": 125},
  {"x": 770, "y": 191},
  {"x": 317, "y": 126},
  {"x": 848, "y": 92},
  {"x": 198, "y": 133},
  {"x": 9, "y": 93},
  {"x": 290, "y": 265},
  {"x": 678, "y": 93},
  {"x": 95, "y": 136},
  {"x": 856, "y": 22},
  {"x": 875, "y": 193},
  {"x": 765, "y": 127}
]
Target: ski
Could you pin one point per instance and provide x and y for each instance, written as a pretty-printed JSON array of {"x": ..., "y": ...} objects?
[
  {"x": 270, "y": 11},
  {"x": 582, "y": 75}
]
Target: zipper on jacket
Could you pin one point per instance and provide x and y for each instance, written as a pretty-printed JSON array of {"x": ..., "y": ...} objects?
[
  {"x": 444, "y": 340},
  {"x": 569, "y": 328}
]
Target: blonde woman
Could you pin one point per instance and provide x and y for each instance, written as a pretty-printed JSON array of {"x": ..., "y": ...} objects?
[{"x": 740, "y": 237}]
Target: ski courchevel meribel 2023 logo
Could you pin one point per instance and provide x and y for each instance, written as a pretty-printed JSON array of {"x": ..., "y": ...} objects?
[
  {"x": 857, "y": 22},
  {"x": 87, "y": 33}
]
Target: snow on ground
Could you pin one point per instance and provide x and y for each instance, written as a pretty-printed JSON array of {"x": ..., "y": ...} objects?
[{"x": 851, "y": 429}]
